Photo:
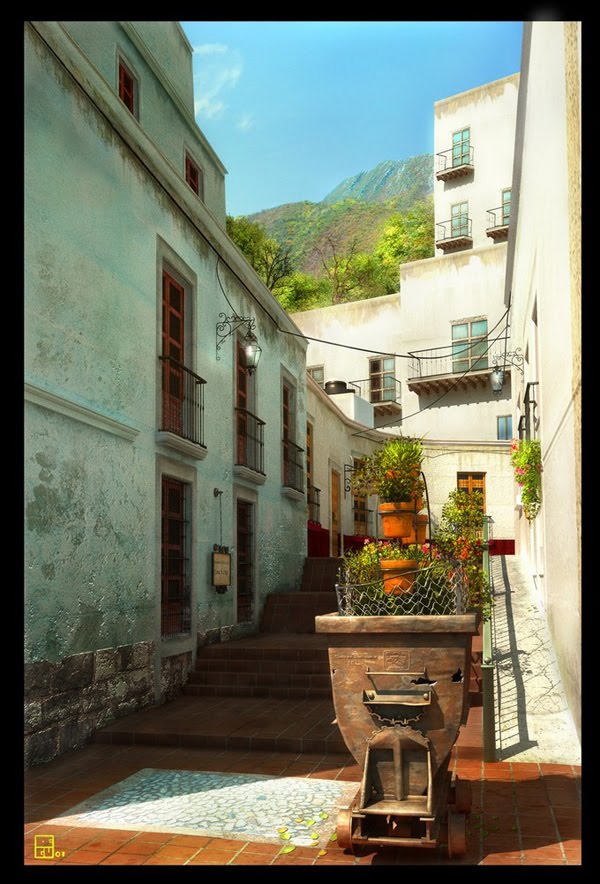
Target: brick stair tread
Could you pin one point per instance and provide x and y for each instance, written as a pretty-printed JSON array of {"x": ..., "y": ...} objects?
[
  {"x": 270, "y": 646},
  {"x": 292, "y": 693},
  {"x": 280, "y": 679},
  {"x": 303, "y": 725}
]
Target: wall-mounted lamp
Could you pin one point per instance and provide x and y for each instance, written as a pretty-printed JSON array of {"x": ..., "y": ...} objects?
[
  {"x": 227, "y": 325},
  {"x": 500, "y": 361}
]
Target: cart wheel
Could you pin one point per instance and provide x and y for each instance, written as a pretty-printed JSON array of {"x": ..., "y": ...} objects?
[
  {"x": 457, "y": 834},
  {"x": 462, "y": 796},
  {"x": 344, "y": 829}
]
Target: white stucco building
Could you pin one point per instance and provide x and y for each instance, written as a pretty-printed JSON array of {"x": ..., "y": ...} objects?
[
  {"x": 423, "y": 356},
  {"x": 543, "y": 290}
]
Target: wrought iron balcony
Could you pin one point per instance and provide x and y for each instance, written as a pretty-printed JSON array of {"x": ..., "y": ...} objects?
[
  {"x": 454, "y": 163},
  {"x": 438, "y": 369},
  {"x": 293, "y": 465},
  {"x": 314, "y": 503},
  {"x": 362, "y": 520},
  {"x": 454, "y": 234},
  {"x": 250, "y": 441},
  {"x": 381, "y": 390},
  {"x": 182, "y": 401},
  {"x": 497, "y": 222}
]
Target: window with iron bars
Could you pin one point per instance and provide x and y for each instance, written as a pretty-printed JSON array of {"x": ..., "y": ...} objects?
[{"x": 175, "y": 562}]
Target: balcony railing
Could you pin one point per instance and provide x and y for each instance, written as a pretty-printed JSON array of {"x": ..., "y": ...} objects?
[
  {"x": 314, "y": 504},
  {"x": 293, "y": 465},
  {"x": 454, "y": 162},
  {"x": 182, "y": 401},
  {"x": 250, "y": 441},
  {"x": 453, "y": 358},
  {"x": 453, "y": 233},
  {"x": 497, "y": 221},
  {"x": 378, "y": 389}
]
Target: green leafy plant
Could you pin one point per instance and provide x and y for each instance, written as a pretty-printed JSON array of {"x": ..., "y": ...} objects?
[
  {"x": 393, "y": 471},
  {"x": 459, "y": 538},
  {"x": 526, "y": 458}
]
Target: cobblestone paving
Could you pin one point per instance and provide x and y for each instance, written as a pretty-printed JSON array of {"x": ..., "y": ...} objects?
[{"x": 240, "y": 806}]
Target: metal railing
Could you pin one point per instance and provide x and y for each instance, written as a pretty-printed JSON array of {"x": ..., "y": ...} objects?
[
  {"x": 487, "y": 663},
  {"x": 378, "y": 389},
  {"x": 182, "y": 401},
  {"x": 314, "y": 503},
  {"x": 441, "y": 360},
  {"x": 498, "y": 217},
  {"x": 250, "y": 441},
  {"x": 293, "y": 465},
  {"x": 453, "y": 158},
  {"x": 454, "y": 228}
]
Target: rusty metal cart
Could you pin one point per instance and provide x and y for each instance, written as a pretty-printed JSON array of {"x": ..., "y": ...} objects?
[{"x": 400, "y": 688}]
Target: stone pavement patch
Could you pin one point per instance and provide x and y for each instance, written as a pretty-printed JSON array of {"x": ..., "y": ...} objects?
[{"x": 248, "y": 807}]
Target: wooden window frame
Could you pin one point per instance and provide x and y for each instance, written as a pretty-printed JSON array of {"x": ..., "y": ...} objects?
[
  {"x": 459, "y": 226},
  {"x": 313, "y": 368},
  {"x": 464, "y": 153},
  {"x": 377, "y": 392},
  {"x": 128, "y": 95},
  {"x": 194, "y": 176},
  {"x": 505, "y": 203},
  {"x": 473, "y": 481},
  {"x": 465, "y": 355}
]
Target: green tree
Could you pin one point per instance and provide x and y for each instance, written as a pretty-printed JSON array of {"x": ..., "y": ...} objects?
[
  {"x": 408, "y": 236},
  {"x": 269, "y": 258},
  {"x": 301, "y": 291}
]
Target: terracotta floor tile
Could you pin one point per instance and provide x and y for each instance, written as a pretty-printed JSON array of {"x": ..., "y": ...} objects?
[
  {"x": 251, "y": 859},
  {"x": 104, "y": 844},
  {"x": 226, "y": 844},
  {"x": 123, "y": 859},
  {"x": 501, "y": 859},
  {"x": 543, "y": 861},
  {"x": 140, "y": 848},
  {"x": 178, "y": 851},
  {"x": 85, "y": 857},
  {"x": 196, "y": 841},
  {"x": 263, "y": 849},
  {"x": 215, "y": 856},
  {"x": 154, "y": 837}
]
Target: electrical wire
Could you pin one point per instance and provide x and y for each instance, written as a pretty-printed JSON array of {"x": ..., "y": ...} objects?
[
  {"x": 445, "y": 393},
  {"x": 182, "y": 210}
]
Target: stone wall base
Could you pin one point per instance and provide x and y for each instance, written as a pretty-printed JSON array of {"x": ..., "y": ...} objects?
[
  {"x": 68, "y": 700},
  {"x": 174, "y": 673}
]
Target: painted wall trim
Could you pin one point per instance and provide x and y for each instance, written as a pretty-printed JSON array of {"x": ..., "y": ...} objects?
[
  {"x": 54, "y": 402},
  {"x": 163, "y": 437}
]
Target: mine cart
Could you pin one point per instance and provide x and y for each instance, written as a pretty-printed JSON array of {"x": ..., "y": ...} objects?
[{"x": 400, "y": 687}]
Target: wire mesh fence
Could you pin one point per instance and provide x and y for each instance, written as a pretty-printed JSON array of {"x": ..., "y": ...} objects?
[{"x": 437, "y": 589}]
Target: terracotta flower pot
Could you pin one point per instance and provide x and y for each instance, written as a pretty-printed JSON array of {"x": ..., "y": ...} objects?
[
  {"x": 421, "y": 531},
  {"x": 398, "y": 575},
  {"x": 396, "y": 521}
]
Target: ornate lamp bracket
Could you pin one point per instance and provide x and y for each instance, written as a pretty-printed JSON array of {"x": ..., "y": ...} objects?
[{"x": 227, "y": 325}]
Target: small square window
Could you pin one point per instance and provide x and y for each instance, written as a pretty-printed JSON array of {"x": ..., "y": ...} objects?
[
  {"x": 194, "y": 176},
  {"x": 128, "y": 88},
  {"x": 317, "y": 373}
]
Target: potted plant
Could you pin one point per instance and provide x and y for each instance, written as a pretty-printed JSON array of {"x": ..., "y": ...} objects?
[
  {"x": 393, "y": 472},
  {"x": 385, "y": 565},
  {"x": 526, "y": 458}
]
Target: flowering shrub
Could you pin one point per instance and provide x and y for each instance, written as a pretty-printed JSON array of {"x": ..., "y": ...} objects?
[
  {"x": 526, "y": 458},
  {"x": 459, "y": 536}
]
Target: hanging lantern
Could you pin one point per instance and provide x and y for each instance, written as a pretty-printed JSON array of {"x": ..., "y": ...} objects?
[
  {"x": 252, "y": 352},
  {"x": 497, "y": 380}
]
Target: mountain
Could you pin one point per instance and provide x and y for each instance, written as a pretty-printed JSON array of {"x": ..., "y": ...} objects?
[
  {"x": 357, "y": 208},
  {"x": 411, "y": 177}
]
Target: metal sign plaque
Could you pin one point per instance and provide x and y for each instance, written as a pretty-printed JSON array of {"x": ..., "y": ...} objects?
[{"x": 221, "y": 569}]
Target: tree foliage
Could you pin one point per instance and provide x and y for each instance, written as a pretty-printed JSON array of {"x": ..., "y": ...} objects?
[
  {"x": 269, "y": 258},
  {"x": 407, "y": 237}
]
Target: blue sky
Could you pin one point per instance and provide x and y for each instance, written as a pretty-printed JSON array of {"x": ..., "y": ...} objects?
[{"x": 293, "y": 108}]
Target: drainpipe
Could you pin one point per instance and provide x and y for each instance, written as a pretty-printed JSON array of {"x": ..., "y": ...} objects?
[{"x": 487, "y": 665}]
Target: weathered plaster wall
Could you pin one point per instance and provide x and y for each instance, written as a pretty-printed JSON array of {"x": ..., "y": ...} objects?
[
  {"x": 545, "y": 285},
  {"x": 490, "y": 113},
  {"x": 99, "y": 229},
  {"x": 162, "y": 63}
]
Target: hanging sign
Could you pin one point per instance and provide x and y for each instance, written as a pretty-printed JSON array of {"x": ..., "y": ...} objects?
[{"x": 221, "y": 566}]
